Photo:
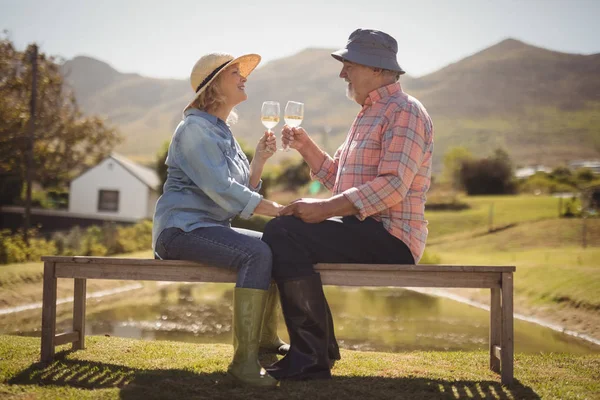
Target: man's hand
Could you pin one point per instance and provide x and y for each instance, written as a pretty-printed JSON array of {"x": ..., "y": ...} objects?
[
  {"x": 295, "y": 138},
  {"x": 309, "y": 210},
  {"x": 318, "y": 210}
]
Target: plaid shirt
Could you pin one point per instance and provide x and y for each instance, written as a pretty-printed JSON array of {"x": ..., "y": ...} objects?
[{"x": 384, "y": 166}]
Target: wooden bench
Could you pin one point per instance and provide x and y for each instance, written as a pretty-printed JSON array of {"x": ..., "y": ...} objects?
[{"x": 499, "y": 279}]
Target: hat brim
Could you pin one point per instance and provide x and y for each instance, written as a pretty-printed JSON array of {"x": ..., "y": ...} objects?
[
  {"x": 247, "y": 64},
  {"x": 369, "y": 60}
]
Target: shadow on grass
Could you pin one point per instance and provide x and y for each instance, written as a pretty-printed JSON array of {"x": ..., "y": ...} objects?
[{"x": 137, "y": 383}]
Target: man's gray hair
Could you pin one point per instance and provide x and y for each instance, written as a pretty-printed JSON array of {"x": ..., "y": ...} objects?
[{"x": 395, "y": 75}]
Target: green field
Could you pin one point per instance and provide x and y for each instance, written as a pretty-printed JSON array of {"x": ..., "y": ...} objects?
[
  {"x": 505, "y": 210},
  {"x": 114, "y": 368}
]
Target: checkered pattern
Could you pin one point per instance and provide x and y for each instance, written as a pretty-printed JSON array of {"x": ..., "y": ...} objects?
[{"x": 384, "y": 166}]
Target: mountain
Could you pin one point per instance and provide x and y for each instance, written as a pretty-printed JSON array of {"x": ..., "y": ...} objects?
[{"x": 542, "y": 106}]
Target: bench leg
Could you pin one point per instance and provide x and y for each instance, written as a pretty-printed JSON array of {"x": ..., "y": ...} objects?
[
  {"x": 79, "y": 313},
  {"x": 48, "y": 312},
  {"x": 495, "y": 329},
  {"x": 507, "y": 351}
]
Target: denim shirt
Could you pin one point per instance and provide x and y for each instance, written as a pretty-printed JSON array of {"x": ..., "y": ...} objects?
[{"x": 208, "y": 181}]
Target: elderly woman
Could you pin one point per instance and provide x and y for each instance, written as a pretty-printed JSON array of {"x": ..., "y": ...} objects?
[{"x": 210, "y": 182}]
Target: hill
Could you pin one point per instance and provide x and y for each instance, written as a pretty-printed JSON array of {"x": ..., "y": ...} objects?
[{"x": 541, "y": 105}]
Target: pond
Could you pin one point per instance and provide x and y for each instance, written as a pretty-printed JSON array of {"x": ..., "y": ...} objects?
[{"x": 367, "y": 319}]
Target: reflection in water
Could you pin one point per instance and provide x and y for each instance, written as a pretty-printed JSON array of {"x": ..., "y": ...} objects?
[{"x": 382, "y": 319}]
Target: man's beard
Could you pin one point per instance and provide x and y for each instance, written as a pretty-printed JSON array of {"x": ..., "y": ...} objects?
[{"x": 350, "y": 92}]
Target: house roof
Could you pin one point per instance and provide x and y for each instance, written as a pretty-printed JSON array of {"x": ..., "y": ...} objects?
[{"x": 148, "y": 176}]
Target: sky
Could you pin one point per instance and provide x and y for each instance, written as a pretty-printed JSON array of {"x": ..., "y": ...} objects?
[{"x": 163, "y": 39}]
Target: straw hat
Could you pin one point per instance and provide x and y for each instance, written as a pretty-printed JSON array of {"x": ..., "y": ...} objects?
[{"x": 208, "y": 67}]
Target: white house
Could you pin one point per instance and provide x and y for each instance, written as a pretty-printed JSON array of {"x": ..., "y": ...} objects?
[
  {"x": 526, "y": 172},
  {"x": 593, "y": 165},
  {"x": 116, "y": 187}
]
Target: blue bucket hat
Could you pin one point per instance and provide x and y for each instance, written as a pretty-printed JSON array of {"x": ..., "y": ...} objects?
[{"x": 371, "y": 48}]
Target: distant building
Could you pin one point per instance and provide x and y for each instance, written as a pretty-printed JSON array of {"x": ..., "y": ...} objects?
[
  {"x": 116, "y": 187},
  {"x": 526, "y": 172},
  {"x": 593, "y": 165}
]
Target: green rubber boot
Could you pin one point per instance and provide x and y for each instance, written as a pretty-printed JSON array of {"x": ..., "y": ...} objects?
[
  {"x": 269, "y": 340},
  {"x": 248, "y": 310}
]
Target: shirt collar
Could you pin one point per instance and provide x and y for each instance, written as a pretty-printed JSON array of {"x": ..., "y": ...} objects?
[
  {"x": 382, "y": 93},
  {"x": 202, "y": 114}
]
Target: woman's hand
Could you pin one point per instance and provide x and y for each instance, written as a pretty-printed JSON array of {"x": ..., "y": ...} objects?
[
  {"x": 266, "y": 147},
  {"x": 268, "y": 208}
]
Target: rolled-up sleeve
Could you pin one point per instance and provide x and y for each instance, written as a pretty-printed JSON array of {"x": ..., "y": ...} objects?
[
  {"x": 404, "y": 146},
  {"x": 202, "y": 159},
  {"x": 328, "y": 171}
]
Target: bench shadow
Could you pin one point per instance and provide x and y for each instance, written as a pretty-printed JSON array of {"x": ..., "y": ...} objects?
[{"x": 137, "y": 383}]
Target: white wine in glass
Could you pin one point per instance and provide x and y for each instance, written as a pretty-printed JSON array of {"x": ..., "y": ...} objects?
[
  {"x": 294, "y": 113},
  {"x": 269, "y": 114}
]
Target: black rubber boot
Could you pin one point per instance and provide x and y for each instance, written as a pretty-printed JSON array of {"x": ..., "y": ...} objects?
[
  {"x": 306, "y": 317},
  {"x": 333, "y": 350}
]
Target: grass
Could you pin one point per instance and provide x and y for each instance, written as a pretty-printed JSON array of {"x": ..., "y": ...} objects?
[
  {"x": 557, "y": 280},
  {"x": 506, "y": 210},
  {"x": 552, "y": 266},
  {"x": 114, "y": 368},
  {"x": 549, "y": 233},
  {"x": 545, "y": 275},
  {"x": 22, "y": 283}
]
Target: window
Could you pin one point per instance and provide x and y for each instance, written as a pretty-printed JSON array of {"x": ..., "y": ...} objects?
[{"x": 108, "y": 200}]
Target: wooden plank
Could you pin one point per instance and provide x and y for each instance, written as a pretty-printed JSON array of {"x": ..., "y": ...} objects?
[
  {"x": 66, "y": 337},
  {"x": 495, "y": 328},
  {"x": 323, "y": 266},
  {"x": 412, "y": 279},
  {"x": 48, "y": 312},
  {"x": 79, "y": 313},
  {"x": 507, "y": 351},
  {"x": 189, "y": 273},
  {"x": 329, "y": 277},
  {"x": 415, "y": 268}
]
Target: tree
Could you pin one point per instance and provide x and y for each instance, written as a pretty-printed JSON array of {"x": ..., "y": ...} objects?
[
  {"x": 453, "y": 161},
  {"x": 490, "y": 175},
  {"x": 66, "y": 142},
  {"x": 161, "y": 167}
]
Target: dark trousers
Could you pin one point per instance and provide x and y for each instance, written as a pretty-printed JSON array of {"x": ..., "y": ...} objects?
[{"x": 297, "y": 245}]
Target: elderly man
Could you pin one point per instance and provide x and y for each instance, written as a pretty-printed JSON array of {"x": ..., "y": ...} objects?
[{"x": 379, "y": 177}]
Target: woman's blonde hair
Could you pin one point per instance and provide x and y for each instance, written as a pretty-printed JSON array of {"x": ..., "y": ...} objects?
[{"x": 212, "y": 98}]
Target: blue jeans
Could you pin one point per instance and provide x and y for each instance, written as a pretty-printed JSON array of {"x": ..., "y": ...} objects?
[{"x": 236, "y": 248}]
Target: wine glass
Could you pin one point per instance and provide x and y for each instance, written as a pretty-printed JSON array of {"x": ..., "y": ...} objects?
[
  {"x": 294, "y": 113},
  {"x": 269, "y": 114}
]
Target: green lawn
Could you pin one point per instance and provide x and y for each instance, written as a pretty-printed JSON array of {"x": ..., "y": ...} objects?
[
  {"x": 548, "y": 275},
  {"x": 22, "y": 283},
  {"x": 506, "y": 210},
  {"x": 114, "y": 368}
]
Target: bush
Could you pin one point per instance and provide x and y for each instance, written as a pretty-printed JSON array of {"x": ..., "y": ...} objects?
[
  {"x": 492, "y": 175},
  {"x": 133, "y": 238},
  {"x": 69, "y": 243},
  {"x": 294, "y": 175},
  {"x": 104, "y": 240},
  {"x": 13, "y": 248},
  {"x": 445, "y": 203}
]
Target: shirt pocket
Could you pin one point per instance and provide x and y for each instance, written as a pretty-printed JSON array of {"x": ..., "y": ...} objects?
[
  {"x": 242, "y": 157},
  {"x": 238, "y": 166}
]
